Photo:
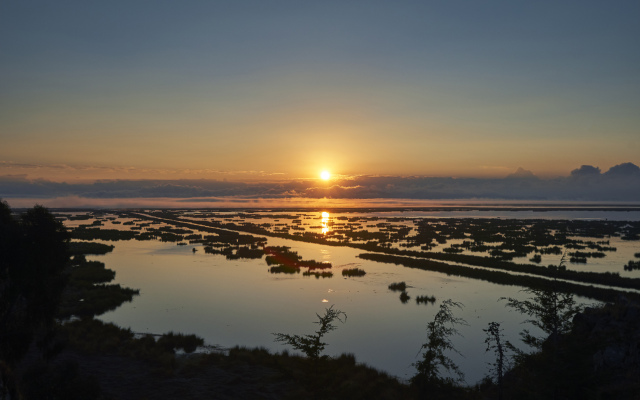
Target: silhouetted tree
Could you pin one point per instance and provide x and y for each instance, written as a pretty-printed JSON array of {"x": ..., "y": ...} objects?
[
  {"x": 33, "y": 255},
  {"x": 311, "y": 345},
  {"x": 552, "y": 312},
  {"x": 495, "y": 342},
  {"x": 439, "y": 332}
]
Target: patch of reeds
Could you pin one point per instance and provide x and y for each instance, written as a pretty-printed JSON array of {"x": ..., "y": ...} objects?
[
  {"x": 404, "y": 297},
  {"x": 425, "y": 299},
  {"x": 398, "y": 287},
  {"x": 284, "y": 269},
  {"x": 87, "y": 292},
  {"x": 632, "y": 265},
  {"x": 77, "y": 248},
  {"x": 353, "y": 272},
  {"x": 89, "y": 273},
  {"x": 322, "y": 274}
]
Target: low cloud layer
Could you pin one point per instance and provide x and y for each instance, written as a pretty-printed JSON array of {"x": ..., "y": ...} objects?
[{"x": 586, "y": 183}]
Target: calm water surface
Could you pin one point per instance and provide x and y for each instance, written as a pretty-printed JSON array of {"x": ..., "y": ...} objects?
[{"x": 240, "y": 302}]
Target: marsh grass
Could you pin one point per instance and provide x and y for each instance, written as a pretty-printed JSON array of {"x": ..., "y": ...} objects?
[
  {"x": 404, "y": 297},
  {"x": 398, "y": 287},
  {"x": 77, "y": 248},
  {"x": 284, "y": 269},
  {"x": 94, "y": 300},
  {"x": 89, "y": 273},
  {"x": 353, "y": 272},
  {"x": 425, "y": 299},
  {"x": 632, "y": 265},
  {"x": 87, "y": 292},
  {"x": 323, "y": 274}
]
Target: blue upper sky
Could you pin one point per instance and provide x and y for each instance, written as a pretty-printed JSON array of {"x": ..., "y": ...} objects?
[{"x": 264, "y": 89}]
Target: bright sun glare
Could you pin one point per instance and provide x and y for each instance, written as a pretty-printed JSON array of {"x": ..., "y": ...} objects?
[{"x": 325, "y": 175}]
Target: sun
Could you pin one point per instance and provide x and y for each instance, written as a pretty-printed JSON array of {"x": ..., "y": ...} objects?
[{"x": 325, "y": 175}]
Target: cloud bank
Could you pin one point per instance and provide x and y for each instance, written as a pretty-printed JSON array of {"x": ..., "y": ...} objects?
[{"x": 586, "y": 183}]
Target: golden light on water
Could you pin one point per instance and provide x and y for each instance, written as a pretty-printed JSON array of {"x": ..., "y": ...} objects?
[
  {"x": 325, "y": 175},
  {"x": 325, "y": 222}
]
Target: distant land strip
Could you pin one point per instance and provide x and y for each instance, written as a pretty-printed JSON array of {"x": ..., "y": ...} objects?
[{"x": 501, "y": 278}]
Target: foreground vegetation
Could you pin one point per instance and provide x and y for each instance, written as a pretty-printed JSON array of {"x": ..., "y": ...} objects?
[{"x": 576, "y": 358}]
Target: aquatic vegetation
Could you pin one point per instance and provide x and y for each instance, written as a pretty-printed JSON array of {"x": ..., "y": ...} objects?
[
  {"x": 289, "y": 262},
  {"x": 499, "y": 277},
  {"x": 101, "y": 234},
  {"x": 86, "y": 273},
  {"x": 353, "y": 272},
  {"x": 284, "y": 269},
  {"x": 87, "y": 292},
  {"x": 425, "y": 299},
  {"x": 632, "y": 265},
  {"x": 559, "y": 272},
  {"x": 89, "y": 248},
  {"x": 94, "y": 300},
  {"x": 322, "y": 274},
  {"x": 595, "y": 254},
  {"x": 404, "y": 297},
  {"x": 398, "y": 286},
  {"x": 80, "y": 217}
]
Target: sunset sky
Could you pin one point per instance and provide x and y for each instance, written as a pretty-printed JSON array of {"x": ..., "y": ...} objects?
[{"x": 253, "y": 91}]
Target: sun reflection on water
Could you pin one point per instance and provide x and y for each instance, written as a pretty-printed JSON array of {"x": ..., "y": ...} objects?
[{"x": 325, "y": 222}]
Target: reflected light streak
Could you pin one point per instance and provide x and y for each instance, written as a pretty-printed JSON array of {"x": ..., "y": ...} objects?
[{"x": 325, "y": 222}]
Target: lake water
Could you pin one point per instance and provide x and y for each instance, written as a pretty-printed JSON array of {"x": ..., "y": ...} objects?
[{"x": 239, "y": 302}]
